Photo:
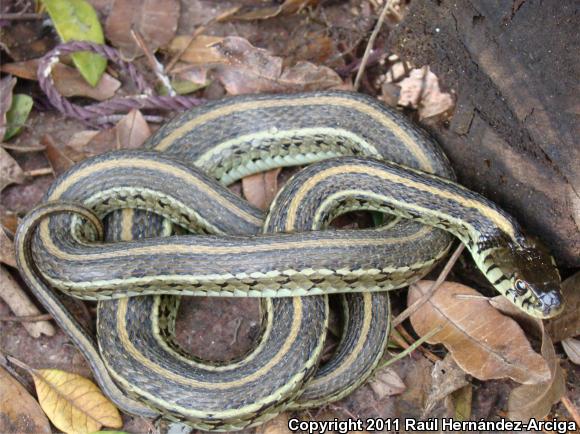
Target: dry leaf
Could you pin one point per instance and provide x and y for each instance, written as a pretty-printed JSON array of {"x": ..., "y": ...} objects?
[
  {"x": 261, "y": 188},
  {"x": 535, "y": 401},
  {"x": 461, "y": 400},
  {"x": 447, "y": 377},
  {"x": 567, "y": 324},
  {"x": 421, "y": 91},
  {"x": 19, "y": 412},
  {"x": 198, "y": 51},
  {"x": 81, "y": 139},
  {"x": 7, "y": 255},
  {"x": 484, "y": 343},
  {"x": 129, "y": 133},
  {"x": 132, "y": 130},
  {"x": 59, "y": 161},
  {"x": 418, "y": 381},
  {"x": 155, "y": 20},
  {"x": 20, "y": 304},
  {"x": 6, "y": 86},
  {"x": 572, "y": 348},
  {"x": 68, "y": 81},
  {"x": 9, "y": 220},
  {"x": 386, "y": 382},
  {"x": 243, "y": 68},
  {"x": 10, "y": 171},
  {"x": 73, "y": 403},
  {"x": 278, "y": 425}
]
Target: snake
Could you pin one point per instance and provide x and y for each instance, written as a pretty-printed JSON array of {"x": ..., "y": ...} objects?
[{"x": 172, "y": 228}]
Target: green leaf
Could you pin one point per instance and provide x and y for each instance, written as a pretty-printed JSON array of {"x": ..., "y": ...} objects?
[
  {"x": 76, "y": 20},
  {"x": 17, "y": 115}
]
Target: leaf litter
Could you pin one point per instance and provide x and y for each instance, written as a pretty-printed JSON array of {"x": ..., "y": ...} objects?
[{"x": 219, "y": 61}]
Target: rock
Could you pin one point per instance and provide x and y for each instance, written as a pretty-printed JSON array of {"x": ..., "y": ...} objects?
[{"x": 514, "y": 134}]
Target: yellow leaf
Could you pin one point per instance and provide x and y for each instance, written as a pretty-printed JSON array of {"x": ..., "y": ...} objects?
[{"x": 73, "y": 403}]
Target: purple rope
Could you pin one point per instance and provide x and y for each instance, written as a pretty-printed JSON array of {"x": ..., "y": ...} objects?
[{"x": 98, "y": 112}]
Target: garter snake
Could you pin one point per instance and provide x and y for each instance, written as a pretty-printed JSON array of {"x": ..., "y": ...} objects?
[{"x": 350, "y": 137}]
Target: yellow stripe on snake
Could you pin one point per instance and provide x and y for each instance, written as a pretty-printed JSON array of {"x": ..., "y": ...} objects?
[{"x": 211, "y": 242}]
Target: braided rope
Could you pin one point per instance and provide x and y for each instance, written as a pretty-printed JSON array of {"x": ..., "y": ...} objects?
[{"x": 99, "y": 113}]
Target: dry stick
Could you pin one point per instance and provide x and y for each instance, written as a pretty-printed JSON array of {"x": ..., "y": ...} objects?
[
  {"x": 411, "y": 348},
  {"x": 20, "y": 17},
  {"x": 440, "y": 279},
  {"x": 405, "y": 335},
  {"x": 39, "y": 172},
  {"x": 23, "y": 149},
  {"x": 153, "y": 63},
  {"x": 371, "y": 42},
  {"x": 27, "y": 318},
  {"x": 571, "y": 409}
]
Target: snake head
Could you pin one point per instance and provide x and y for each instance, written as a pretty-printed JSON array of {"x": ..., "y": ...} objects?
[{"x": 531, "y": 278}]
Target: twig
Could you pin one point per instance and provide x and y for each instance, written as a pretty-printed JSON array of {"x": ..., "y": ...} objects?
[
  {"x": 20, "y": 17},
  {"x": 5, "y": 363},
  {"x": 571, "y": 409},
  {"x": 405, "y": 335},
  {"x": 27, "y": 318},
  {"x": 23, "y": 149},
  {"x": 440, "y": 279},
  {"x": 369, "y": 47},
  {"x": 470, "y": 297},
  {"x": 156, "y": 66},
  {"x": 411, "y": 348},
  {"x": 39, "y": 172}
]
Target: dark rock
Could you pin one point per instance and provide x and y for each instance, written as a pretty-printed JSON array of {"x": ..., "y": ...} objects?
[{"x": 514, "y": 135}]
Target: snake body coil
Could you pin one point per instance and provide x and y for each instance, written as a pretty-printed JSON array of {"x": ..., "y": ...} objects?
[{"x": 241, "y": 252}]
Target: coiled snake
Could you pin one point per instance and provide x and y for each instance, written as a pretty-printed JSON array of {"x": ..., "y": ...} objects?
[{"x": 367, "y": 157}]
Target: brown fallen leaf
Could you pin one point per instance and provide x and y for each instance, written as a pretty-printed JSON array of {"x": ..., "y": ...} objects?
[
  {"x": 572, "y": 349},
  {"x": 567, "y": 324},
  {"x": 6, "y": 249},
  {"x": 73, "y": 403},
  {"x": 253, "y": 70},
  {"x": 421, "y": 91},
  {"x": 198, "y": 51},
  {"x": 278, "y": 425},
  {"x": 314, "y": 47},
  {"x": 261, "y": 188},
  {"x": 80, "y": 140},
  {"x": 386, "y": 382},
  {"x": 6, "y": 86},
  {"x": 483, "y": 342},
  {"x": 10, "y": 171},
  {"x": 418, "y": 381},
  {"x": 132, "y": 130},
  {"x": 59, "y": 161},
  {"x": 68, "y": 81},
  {"x": 129, "y": 133},
  {"x": 243, "y": 68},
  {"x": 20, "y": 304},
  {"x": 19, "y": 412},
  {"x": 155, "y": 20},
  {"x": 8, "y": 220},
  {"x": 536, "y": 400},
  {"x": 447, "y": 377}
]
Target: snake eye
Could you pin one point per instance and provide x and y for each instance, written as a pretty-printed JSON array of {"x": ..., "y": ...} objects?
[{"x": 521, "y": 287}]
